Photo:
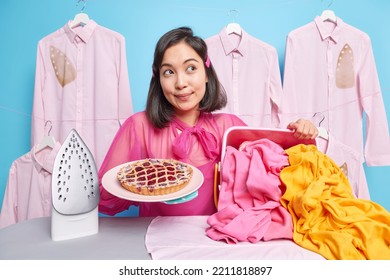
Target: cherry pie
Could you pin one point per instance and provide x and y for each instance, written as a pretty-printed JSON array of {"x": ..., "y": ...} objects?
[{"x": 155, "y": 176}]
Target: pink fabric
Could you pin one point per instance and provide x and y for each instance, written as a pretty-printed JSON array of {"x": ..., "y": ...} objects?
[
  {"x": 249, "y": 206},
  {"x": 28, "y": 189},
  {"x": 314, "y": 67},
  {"x": 92, "y": 94},
  {"x": 199, "y": 146},
  {"x": 249, "y": 71}
]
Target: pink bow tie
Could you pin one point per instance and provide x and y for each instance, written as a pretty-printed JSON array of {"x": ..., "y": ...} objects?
[{"x": 182, "y": 143}]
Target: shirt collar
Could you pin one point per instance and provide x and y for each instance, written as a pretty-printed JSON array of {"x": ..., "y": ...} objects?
[
  {"x": 229, "y": 47},
  {"x": 48, "y": 163},
  {"x": 84, "y": 33},
  {"x": 324, "y": 31}
]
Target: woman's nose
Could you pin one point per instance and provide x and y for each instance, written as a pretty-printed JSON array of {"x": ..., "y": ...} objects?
[{"x": 181, "y": 81}]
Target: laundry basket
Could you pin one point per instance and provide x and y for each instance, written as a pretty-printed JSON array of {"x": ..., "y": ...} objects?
[{"x": 236, "y": 135}]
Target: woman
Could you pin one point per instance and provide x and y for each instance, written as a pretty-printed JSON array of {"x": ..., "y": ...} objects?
[{"x": 178, "y": 123}]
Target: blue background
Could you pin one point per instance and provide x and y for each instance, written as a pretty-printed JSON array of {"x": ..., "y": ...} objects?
[{"x": 142, "y": 22}]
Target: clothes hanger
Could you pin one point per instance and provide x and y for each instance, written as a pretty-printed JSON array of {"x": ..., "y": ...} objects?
[
  {"x": 322, "y": 132},
  {"x": 328, "y": 15},
  {"x": 47, "y": 141},
  {"x": 233, "y": 27},
  {"x": 80, "y": 19}
]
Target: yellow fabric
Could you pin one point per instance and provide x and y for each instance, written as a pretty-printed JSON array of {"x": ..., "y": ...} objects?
[{"x": 327, "y": 218}]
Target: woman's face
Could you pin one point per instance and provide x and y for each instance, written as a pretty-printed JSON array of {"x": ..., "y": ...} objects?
[{"x": 183, "y": 80}]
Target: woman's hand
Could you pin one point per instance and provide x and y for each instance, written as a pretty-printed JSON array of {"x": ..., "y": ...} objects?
[{"x": 303, "y": 129}]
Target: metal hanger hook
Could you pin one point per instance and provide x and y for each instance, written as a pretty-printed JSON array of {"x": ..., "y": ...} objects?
[
  {"x": 233, "y": 13},
  {"x": 330, "y": 4},
  {"x": 84, "y": 4},
  {"x": 51, "y": 126},
  {"x": 320, "y": 115}
]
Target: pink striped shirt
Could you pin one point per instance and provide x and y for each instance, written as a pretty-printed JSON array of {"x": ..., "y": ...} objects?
[
  {"x": 249, "y": 71},
  {"x": 82, "y": 82},
  {"x": 28, "y": 190},
  {"x": 330, "y": 70}
]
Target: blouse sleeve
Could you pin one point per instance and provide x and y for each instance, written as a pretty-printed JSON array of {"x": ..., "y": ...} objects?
[
  {"x": 38, "y": 112},
  {"x": 125, "y": 104},
  {"x": 377, "y": 146},
  {"x": 8, "y": 214},
  {"x": 229, "y": 120},
  {"x": 288, "y": 107},
  {"x": 123, "y": 149},
  {"x": 275, "y": 88}
]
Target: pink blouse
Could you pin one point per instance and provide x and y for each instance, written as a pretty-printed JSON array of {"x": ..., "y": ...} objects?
[{"x": 199, "y": 146}]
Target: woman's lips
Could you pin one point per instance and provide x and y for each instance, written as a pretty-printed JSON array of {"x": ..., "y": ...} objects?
[{"x": 183, "y": 96}]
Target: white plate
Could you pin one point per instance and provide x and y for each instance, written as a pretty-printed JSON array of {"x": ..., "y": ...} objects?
[{"x": 112, "y": 185}]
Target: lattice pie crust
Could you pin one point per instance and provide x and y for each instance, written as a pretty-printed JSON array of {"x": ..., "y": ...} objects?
[{"x": 155, "y": 176}]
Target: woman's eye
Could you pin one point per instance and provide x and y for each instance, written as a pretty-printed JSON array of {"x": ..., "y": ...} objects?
[
  {"x": 191, "y": 68},
  {"x": 167, "y": 72}
]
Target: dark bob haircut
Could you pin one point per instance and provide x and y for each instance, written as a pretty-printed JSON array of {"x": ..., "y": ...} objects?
[{"x": 158, "y": 109}]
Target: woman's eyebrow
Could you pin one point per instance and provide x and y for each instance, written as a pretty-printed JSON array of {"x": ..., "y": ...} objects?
[
  {"x": 165, "y": 65},
  {"x": 185, "y": 61},
  {"x": 190, "y": 59}
]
